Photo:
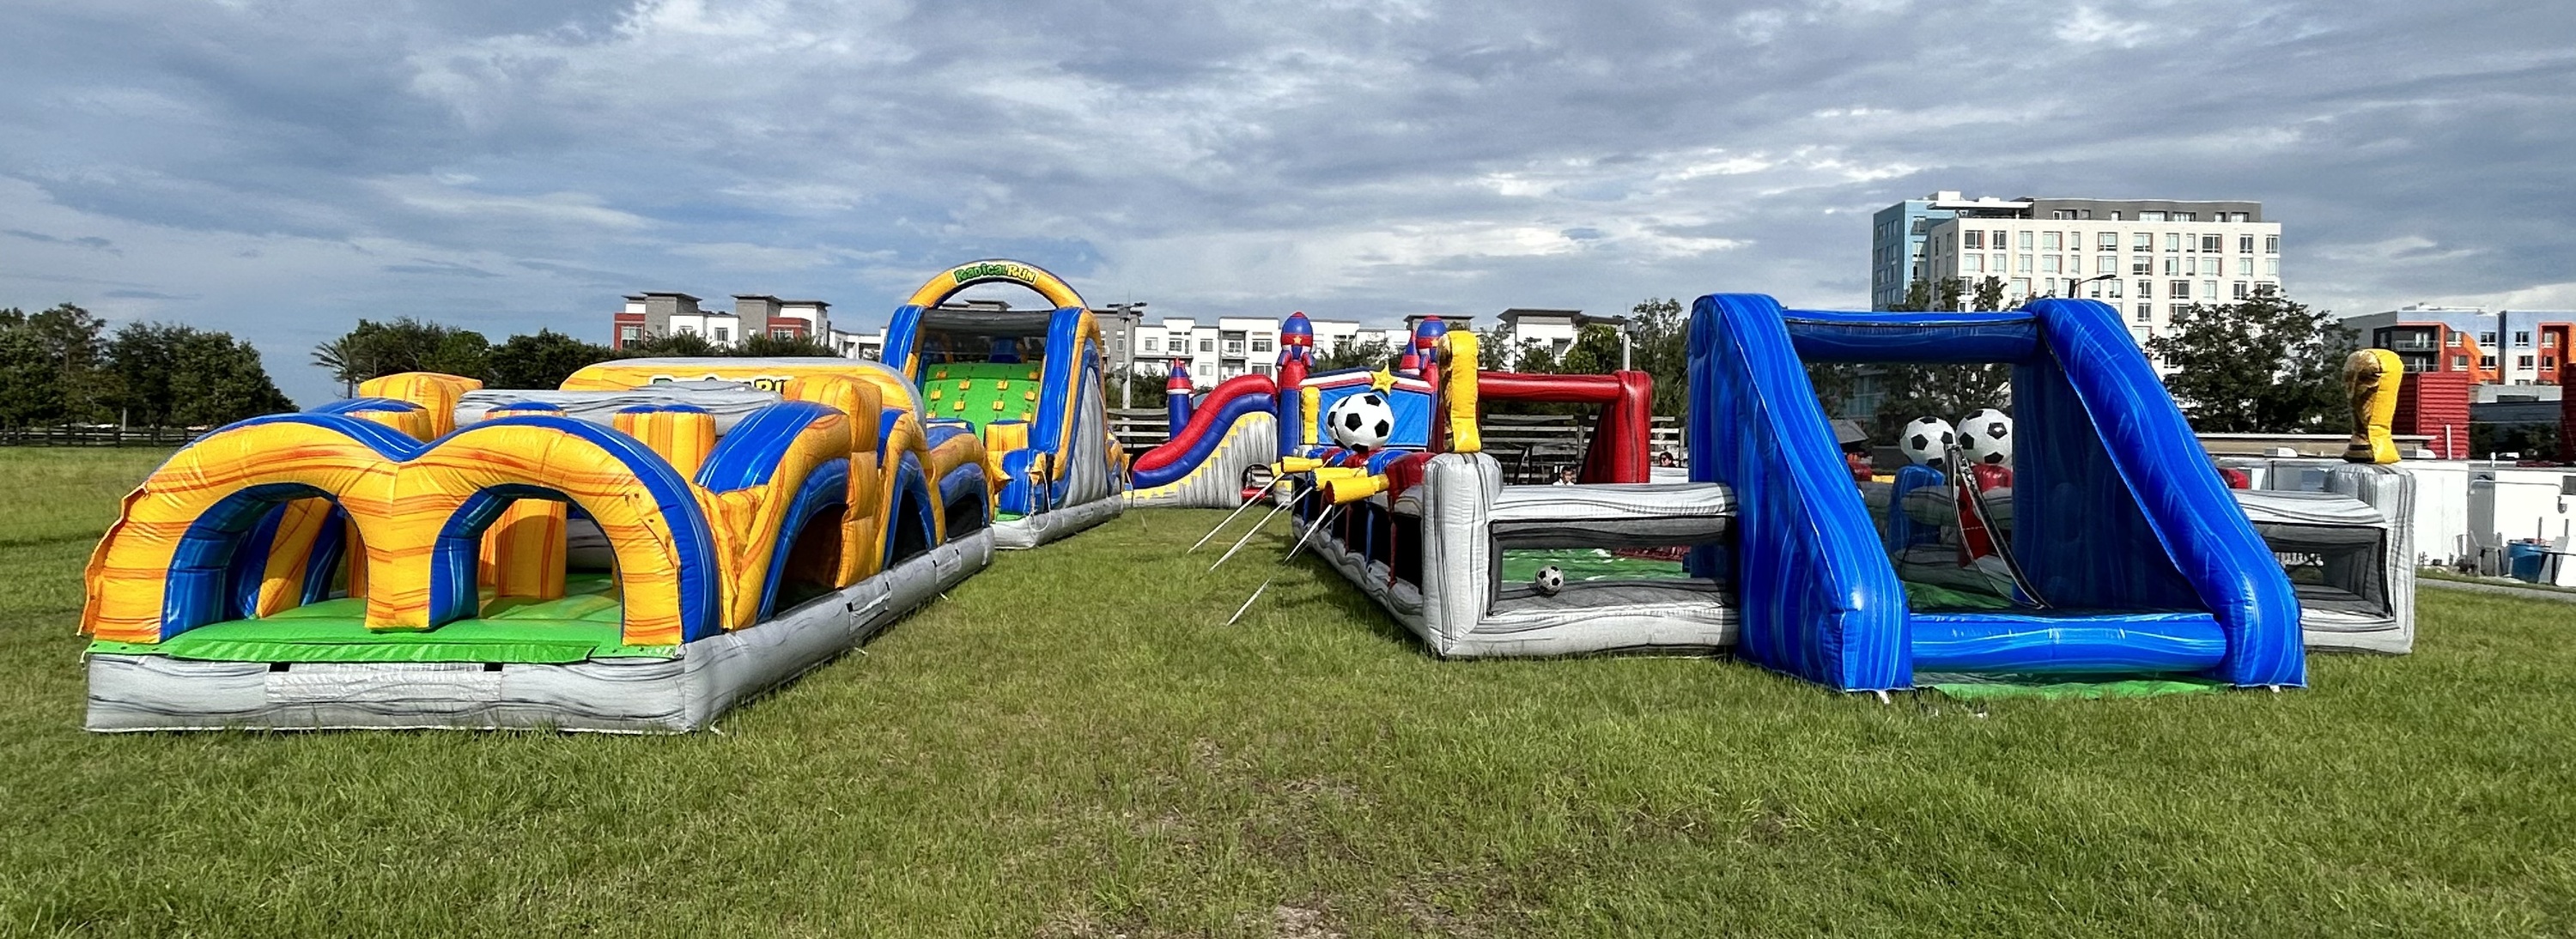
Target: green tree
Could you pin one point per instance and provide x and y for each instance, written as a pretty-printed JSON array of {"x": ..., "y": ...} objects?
[
  {"x": 58, "y": 348},
  {"x": 404, "y": 345},
  {"x": 761, "y": 345},
  {"x": 2268, "y": 364},
  {"x": 218, "y": 380},
  {"x": 30, "y": 392},
  {"x": 678, "y": 345},
  {"x": 1989, "y": 295},
  {"x": 542, "y": 360},
  {"x": 1375, "y": 353}
]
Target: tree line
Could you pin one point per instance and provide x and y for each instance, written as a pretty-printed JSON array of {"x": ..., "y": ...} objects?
[
  {"x": 61, "y": 366},
  {"x": 540, "y": 360}
]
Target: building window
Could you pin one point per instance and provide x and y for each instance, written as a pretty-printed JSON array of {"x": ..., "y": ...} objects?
[
  {"x": 2244, "y": 290},
  {"x": 724, "y": 334},
  {"x": 2151, "y": 216},
  {"x": 2173, "y": 266},
  {"x": 2048, "y": 264},
  {"x": 2142, "y": 241},
  {"x": 2209, "y": 290},
  {"x": 2451, "y": 339},
  {"x": 2106, "y": 264},
  {"x": 2025, "y": 261},
  {"x": 2146, "y": 312},
  {"x": 630, "y": 334},
  {"x": 2142, "y": 264},
  {"x": 2549, "y": 340},
  {"x": 1261, "y": 345},
  {"x": 2179, "y": 290},
  {"x": 2108, "y": 241},
  {"x": 688, "y": 330},
  {"x": 2146, "y": 289},
  {"x": 2210, "y": 243},
  {"x": 2244, "y": 267},
  {"x": 2522, "y": 361},
  {"x": 2173, "y": 241},
  {"x": 1207, "y": 345},
  {"x": 2113, "y": 284},
  {"x": 2245, "y": 244},
  {"x": 2025, "y": 241},
  {"x": 1234, "y": 347},
  {"x": 1998, "y": 243},
  {"x": 1972, "y": 263},
  {"x": 2459, "y": 363},
  {"x": 2209, "y": 266},
  {"x": 782, "y": 334},
  {"x": 2271, "y": 267},
  {"x": 2522, "y": 339},
  {"x": 2048, "y": 241},
  {"x": 1151, "y": 344},
  {"x": 2486, "y": 339},
  {"x": 1972, "y": 239},
  {"x": 2486, "y": 361},
  {"x": 2271, "y": 244},
  {"x": 2021, "y": 286}
]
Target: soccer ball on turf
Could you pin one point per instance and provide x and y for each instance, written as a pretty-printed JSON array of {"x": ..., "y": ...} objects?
[
  {"x": 1986, "y": 437},
  {"x": 1926, "y": 440},
  {"x": 1550, "y": 579},
  {"x": 1362, "y": 422}
]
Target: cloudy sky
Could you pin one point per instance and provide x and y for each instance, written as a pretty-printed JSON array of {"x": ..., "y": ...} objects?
[{"x": 279, "y": 169}]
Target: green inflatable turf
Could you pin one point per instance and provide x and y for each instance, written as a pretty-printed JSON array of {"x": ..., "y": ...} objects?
[{"x": 583, "y": 624}]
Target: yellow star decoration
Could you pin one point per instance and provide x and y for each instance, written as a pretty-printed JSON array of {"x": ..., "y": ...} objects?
[{"x": 1384, "y": 380}]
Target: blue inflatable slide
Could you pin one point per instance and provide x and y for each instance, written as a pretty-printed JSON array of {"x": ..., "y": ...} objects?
[{"x": 2139, "y": 560}]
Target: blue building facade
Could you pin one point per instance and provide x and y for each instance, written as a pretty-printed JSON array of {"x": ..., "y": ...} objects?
[{"x": 1896, "y": 248}]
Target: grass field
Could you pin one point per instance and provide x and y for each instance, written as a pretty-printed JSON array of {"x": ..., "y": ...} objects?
[{"x": 1070, "y": 745}]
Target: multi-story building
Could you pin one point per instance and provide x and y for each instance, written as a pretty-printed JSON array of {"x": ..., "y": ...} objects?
[
  {"x": 670, "y": 313},
  {"x": 2148, "y": 257},
  {"x": 2502, "y": 347}
]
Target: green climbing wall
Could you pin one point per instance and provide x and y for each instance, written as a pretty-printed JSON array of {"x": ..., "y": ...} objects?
[{"x": 980, "y": 393}]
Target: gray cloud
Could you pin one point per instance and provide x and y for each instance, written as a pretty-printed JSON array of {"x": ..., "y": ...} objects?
[{"x": 1363, "y": 159}]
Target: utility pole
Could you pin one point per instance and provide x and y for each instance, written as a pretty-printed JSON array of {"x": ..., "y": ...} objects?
[{"x": 1129, "y": 322}]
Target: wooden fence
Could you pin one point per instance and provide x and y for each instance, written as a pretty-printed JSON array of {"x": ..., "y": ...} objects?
[{"x": 80, "y": 435}]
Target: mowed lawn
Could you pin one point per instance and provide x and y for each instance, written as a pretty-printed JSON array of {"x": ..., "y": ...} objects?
[{"x": 1071, "y": 744}]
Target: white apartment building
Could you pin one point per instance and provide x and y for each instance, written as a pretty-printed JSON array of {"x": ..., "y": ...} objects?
[
  {"x": 1233, "y": 346},
  {"x": 2148, "y": 258}
]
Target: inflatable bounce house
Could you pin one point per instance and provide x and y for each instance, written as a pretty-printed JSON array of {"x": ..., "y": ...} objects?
[
  {"x": 636, "y": 552},
  {"x": 1027, "y": 383},
  {"x": 2104, "y": 546},
  {"x": 1226, "y": 444}
]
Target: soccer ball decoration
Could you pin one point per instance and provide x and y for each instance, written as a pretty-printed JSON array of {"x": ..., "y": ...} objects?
[
  {"x": 1362, "y": 422},
  {"x": 1550, "y": 579},
  {"x": 1986, "y": 437},
  {"x": 1926, "y": 440}
]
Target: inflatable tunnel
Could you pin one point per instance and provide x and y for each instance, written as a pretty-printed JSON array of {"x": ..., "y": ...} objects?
[
  {"x": 635, "y": 553},
  {"x": 2138, "y": 559},
  {"x": 1028, "y": 385}
]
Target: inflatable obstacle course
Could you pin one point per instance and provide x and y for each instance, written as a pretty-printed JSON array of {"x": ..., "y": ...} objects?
[
  {"x": 398, "y": 560},
  {"x": 1025, "y": 384}
]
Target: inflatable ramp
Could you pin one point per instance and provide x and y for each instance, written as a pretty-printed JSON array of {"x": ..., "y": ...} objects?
[
  {"x": 2138, "y": 559},
  {"x": 637, "y": 553},
  {"x": 1027, "y": 384}
]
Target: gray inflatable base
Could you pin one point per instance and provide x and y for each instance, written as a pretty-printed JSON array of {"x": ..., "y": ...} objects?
[
  {"x": 624, "y": 695},
  {"x": 1034, "y": 530}
]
